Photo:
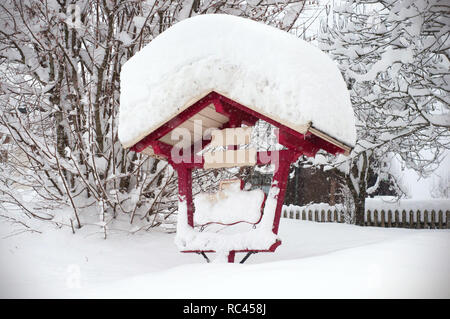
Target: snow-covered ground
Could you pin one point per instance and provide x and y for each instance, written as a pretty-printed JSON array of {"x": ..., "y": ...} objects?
[{"x": 316, "y": 260}]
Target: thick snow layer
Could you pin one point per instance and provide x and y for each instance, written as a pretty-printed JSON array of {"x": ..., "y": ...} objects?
[
  {"x": 316, "y": 260},
  {"x": 215, "y": 208},
  {"x": 259, "y": 238},
  {"x": 259, "y": 66}
]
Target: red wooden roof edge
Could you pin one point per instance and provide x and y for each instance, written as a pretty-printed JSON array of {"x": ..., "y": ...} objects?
[{"x": 308, "y": 143}]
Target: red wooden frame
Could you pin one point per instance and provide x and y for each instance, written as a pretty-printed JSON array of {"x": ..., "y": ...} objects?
[
  {"x": 238, "y": 114},
  {"x": 297, "y": 144},
  {"x": 232, "y": 253}
]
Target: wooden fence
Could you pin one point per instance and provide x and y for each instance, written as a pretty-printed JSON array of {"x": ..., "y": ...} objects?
[{"x": 381, "y": 218}]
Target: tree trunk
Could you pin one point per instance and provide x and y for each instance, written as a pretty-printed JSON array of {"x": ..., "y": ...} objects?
[{"x": 359, "y": 210}]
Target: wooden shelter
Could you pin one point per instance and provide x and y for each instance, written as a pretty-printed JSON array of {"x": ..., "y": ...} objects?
[
  {"x": 219, "y": 112},
  {"x": 190, "y": 90}
]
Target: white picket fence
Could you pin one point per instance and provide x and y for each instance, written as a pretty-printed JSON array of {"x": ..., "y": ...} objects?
[{"x": 383, "y": 217}]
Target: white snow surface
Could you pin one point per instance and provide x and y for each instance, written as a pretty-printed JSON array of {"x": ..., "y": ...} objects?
[
  {"x": 316, "y": 260},
  {"x": 261, "y": 67}
]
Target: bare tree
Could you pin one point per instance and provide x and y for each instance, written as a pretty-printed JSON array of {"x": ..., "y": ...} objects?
[
  {"x": 440, "y": 187},
  {"x": 59, "y": 96},
  {"x": 394, "y": 56}
]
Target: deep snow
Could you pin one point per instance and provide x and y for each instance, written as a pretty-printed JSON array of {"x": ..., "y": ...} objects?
[{"x": 316, "y": 260}]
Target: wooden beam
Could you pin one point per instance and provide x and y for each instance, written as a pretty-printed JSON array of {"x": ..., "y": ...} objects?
[
  {"x": 185, "y": 190},
  {"x": 299, "y": 144},
  {"x": 161, "y": 149},
  {"x": 345, "y": 148},
  {"x": 231, "y": 136},
  {"x": 230, "y": 158},
  {"x": 279, "y": 181},
  {"x": 239, "y": 114}
]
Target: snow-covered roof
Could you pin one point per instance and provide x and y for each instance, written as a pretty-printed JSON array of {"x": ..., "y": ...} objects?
[{"x": 261, "y": 67}]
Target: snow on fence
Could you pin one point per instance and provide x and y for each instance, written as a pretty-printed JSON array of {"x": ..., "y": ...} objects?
[{"x": 433, "y": 214}]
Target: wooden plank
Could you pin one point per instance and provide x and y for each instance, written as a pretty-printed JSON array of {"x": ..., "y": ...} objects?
[
  {"x": 411, "y": 219},
  {"x": 231, "y": 136},
  {"x": 154, "y": 133},
  {"x": 418, "y": 220},
  {"x": 447, "y": 219},
  {"x": 279, "y": 180},
  {"x": 204, "y": 124},
  {"x": 230, "y": 158},
  {"x": 210, "y": 112},
  {"x": 404, "y": 219},
  {"x": 190, "y": 125},
  {"x": 150, "y": 152},
  {"x": 204, "y": 106},
  {"x": 329, "y": 139},
  {"x": 185, "y": 143},
  {"x": 389, "y": 218},
  {"x": 433, "y": 219},
  {"x": 206, "y": 121},
  {"x": 397, "y": 218},
  {"x": 185, "y": 192}
]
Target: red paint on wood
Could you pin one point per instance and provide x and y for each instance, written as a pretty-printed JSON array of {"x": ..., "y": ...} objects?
[
  {"x": 262, "y": 158},
  {"x": 331, "y": 148},
  {"x": 294, "y": 143},
  {"x": 161, "y": 149},
  {"x": 238, "y": 114},
  {"x": 320, "y": 143},
  {"x": 297, "y": 144},
  {"x": 271, "y": 249},
  {"x": 185, "y": 190},
  {"x": 279, "y": 180},
  {"x": 173, "y": 123}
]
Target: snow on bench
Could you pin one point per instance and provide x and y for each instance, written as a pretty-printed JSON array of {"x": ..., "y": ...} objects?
[
  {"x": 260, "y": 238},
  {"x": 221, "y": 207}
]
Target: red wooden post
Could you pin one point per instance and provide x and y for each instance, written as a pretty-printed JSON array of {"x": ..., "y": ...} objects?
[
  {"x": 231, "y": 256},
  {"x": 279, "y": 180},
  {"x": 185, "y": 190}
]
